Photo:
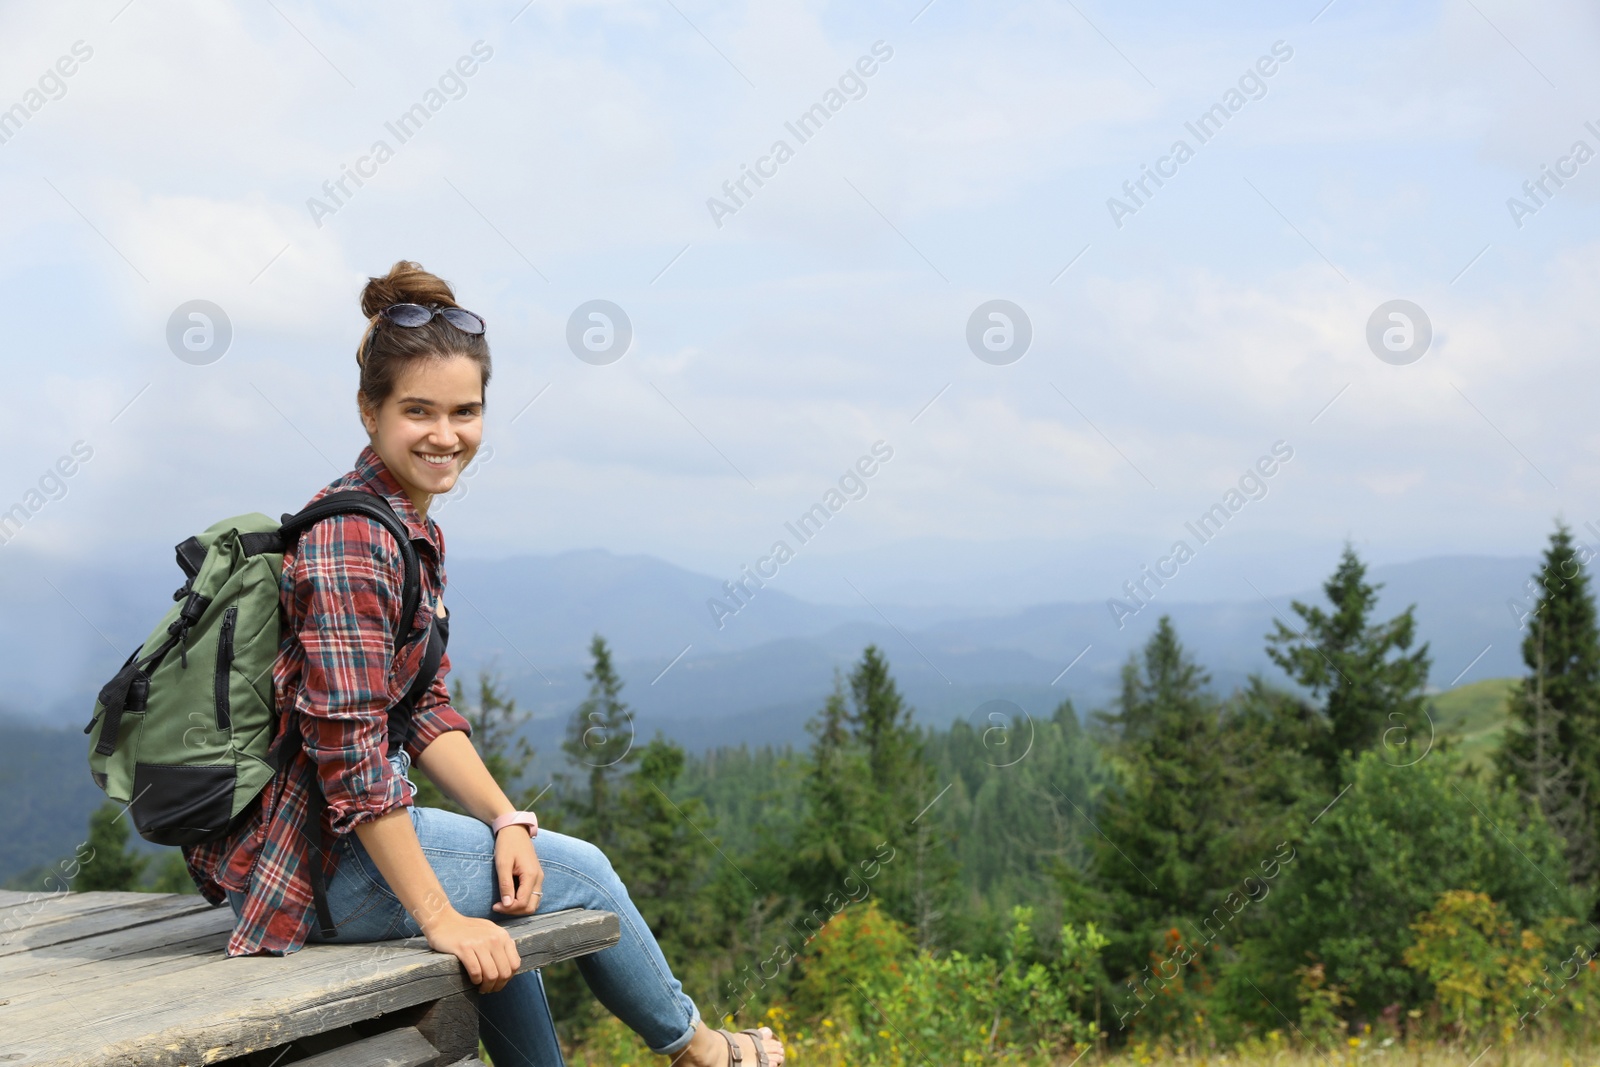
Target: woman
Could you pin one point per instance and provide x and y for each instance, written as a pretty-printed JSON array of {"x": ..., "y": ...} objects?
[{"x": 397, "y": 870}]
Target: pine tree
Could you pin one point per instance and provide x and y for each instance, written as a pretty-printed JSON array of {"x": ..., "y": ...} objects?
[
  {"x": 838, "y": 829},
  {"x": 882, "y": 721},
  {"x": 663, "y": 848},
  {"x": 1165, "y": 817},
  {"x": 494, "y": 720},
  {"x": 111, "y": 865},
  {"x": 917, "y": 889},
  {"x": 1205, "y": 790},
  {"x": 868, "y": 785},
  {"x": 600, "y": 741},
  {"x": 1551, "y": 746},
  {"x": 1372, "y": 684}
]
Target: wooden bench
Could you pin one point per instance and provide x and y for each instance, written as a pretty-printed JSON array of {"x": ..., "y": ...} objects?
[{"x": 125, "y": 979}]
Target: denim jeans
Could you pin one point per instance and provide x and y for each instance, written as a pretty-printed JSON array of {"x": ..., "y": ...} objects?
[{"x": 631, "y": 978}]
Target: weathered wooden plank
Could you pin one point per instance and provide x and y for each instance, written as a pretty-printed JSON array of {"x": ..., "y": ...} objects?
[
  {"x": 39, "y": 908},
  {"x": 153, "y": 908},
  {"x": 405, "y": 1047},
  {"x": 229, "y": 1007},
  {"x": 92, "y": 981},
  {"x": 117, "y": 956},
  {"x": 11, "y": 898}
]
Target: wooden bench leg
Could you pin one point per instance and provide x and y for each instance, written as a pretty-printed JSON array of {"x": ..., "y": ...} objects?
[{"x": 451, "y": 1024}]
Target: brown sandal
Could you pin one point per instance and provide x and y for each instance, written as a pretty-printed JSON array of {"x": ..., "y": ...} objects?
[{"x": 735, "y": 1056}]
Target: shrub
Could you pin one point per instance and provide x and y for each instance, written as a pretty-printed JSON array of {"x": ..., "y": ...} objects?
[{"x": 1382, "y": 855}]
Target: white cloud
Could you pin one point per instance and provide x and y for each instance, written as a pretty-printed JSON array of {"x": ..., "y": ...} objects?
[{"x": 809, "y": 326}]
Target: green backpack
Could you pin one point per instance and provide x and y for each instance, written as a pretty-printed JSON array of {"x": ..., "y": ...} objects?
[{"x": 185, "y": 728}]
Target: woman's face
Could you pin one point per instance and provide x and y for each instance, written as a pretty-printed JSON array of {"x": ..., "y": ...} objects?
[{"x": 430, "y": 427}]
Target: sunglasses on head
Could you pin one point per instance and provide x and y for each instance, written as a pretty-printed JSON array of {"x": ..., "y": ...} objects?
[{"x": 411, "y": 315}]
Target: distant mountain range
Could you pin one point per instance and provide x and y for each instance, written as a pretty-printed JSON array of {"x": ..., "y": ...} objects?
[
  {"x": 759, "y": 676},
  {"x": 757, "y": 680}
]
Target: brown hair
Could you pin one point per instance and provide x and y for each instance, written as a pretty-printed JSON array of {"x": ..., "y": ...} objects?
[{"x": 394, "y": 348}]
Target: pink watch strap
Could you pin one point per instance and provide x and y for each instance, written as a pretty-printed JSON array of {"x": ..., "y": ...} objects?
[{"x": 516, "y": 818}]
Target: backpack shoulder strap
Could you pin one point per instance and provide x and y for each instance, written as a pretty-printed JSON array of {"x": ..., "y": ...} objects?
[
  {"x": 432, "y": 655},
  {"x": 377, "y": 508}
]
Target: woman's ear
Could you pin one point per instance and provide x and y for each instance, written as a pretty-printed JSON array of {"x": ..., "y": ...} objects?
[{"x": 369, "y": 417}]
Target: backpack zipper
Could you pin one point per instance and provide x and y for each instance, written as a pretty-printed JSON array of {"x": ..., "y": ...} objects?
[{"x": 224, "y": 665}]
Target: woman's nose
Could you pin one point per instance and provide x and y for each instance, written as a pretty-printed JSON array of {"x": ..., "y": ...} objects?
[{"x": 442, "y": 431}]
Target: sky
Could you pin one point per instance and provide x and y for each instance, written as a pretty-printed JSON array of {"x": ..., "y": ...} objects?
[{"x": 1179, "y": 336}]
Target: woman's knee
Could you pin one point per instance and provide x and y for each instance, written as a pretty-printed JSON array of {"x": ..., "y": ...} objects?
[{"x": 582, "y": 856}]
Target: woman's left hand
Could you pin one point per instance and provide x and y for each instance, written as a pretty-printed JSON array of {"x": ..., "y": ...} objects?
[{"x": 520, "y": 874}]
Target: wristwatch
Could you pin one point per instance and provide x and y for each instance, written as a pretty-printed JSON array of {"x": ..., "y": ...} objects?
[{"x": 516, "y": 818}]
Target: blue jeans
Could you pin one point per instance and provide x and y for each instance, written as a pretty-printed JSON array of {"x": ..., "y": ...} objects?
[{"x": 631, "y": 978}]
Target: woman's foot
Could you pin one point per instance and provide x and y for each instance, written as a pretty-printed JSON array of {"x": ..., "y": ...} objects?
[{"x": 708, "y": 1048}]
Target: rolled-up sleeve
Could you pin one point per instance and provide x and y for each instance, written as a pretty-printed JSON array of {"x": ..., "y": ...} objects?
[
  {"x": 434, "y": 714},
  {"x": 350, "y": 610}
]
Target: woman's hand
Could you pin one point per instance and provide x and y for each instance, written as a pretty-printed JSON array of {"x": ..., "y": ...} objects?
[
  {"x": 482, "y": 945},
  {"x": 520, "y": 874}
]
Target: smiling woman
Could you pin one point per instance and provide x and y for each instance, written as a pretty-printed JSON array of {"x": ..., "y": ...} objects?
[{"x": 395, "y": 869}]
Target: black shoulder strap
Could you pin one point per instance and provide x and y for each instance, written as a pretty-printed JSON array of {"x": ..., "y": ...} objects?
[
  {"x": 357, "y": 501},
  {"x": 400, "y": 714}
]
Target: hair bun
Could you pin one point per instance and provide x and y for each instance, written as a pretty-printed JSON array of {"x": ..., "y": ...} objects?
[{"x": 406, "y": 283}]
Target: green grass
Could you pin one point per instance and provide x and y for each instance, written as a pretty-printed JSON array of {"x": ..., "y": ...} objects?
[{"x": 1472, "y": 718}]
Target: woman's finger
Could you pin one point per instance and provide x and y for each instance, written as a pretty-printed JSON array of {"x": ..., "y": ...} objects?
[
  {"x": 504, "y": 865},
  {"x": 498, "y": 972},
  {"x": 469, "y": 959},
  {"x": 489, "y": 968},
  {"x": 513, "y": 959},
  {"x": 528, "y": 874},
  {"x": 538, "y": 874}
]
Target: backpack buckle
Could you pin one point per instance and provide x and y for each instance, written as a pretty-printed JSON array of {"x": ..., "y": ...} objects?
[{"x": 194, "y": 607}]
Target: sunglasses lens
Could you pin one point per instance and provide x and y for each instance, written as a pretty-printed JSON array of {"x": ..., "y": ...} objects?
[
  {"x": 409, "y": 314},
  {"x": 465, "y": 321}
]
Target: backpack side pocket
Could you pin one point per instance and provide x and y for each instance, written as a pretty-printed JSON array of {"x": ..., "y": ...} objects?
[{"x": 224, "y": 669}]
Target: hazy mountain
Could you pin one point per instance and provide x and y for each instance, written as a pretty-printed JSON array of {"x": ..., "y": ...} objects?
[
  {"x": 760, "y": 674},
  {"x": 755, "y": 680}
]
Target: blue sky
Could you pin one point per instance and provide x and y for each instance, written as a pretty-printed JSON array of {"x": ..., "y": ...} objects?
[{"x": 830, "y": 311}]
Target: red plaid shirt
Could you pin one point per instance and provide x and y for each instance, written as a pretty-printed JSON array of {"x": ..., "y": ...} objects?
[{"x": 341, "y": 591}]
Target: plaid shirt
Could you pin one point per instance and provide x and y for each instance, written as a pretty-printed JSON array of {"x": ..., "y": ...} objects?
[{"x": 341, "y": 592}]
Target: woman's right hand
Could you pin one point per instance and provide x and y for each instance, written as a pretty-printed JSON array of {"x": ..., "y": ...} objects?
[{"x": 483, "y": 947}]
